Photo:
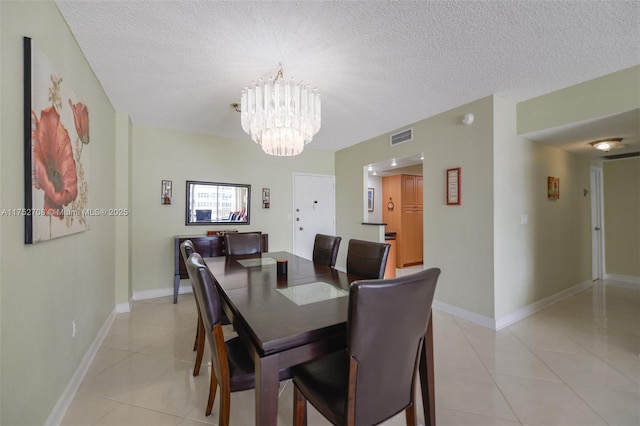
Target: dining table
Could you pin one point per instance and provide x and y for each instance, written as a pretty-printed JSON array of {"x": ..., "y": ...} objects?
[{"x": 287, "y": 319}]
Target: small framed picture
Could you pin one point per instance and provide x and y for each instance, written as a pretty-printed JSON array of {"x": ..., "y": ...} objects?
[
  {"x": 553, "y": 188},
  {"x": 453, "y": 186},
  {"x": 370, "y": 195},
  {"x": 166, "y": 193}
]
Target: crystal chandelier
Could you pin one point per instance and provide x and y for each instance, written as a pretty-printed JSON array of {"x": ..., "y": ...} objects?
[{"x": 280, "y": 116}]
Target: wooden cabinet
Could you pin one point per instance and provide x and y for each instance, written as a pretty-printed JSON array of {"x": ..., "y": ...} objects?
[
  {"x": 406, "y": 217},
  {"x": 412, "y": 213},
  {"x": 206, "y": 246}
]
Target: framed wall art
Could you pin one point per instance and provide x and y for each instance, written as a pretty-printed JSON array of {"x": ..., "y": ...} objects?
[
  {"x": 56, "y": 150},
  {"x": 453, "y": 186},
  {"x": 553, "y": 188},
  {"x": 370, "y": 199},
  {"x": 166, "y": 194}
]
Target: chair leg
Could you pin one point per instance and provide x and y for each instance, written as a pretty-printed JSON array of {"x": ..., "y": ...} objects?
[
  {"x": 199, "y": 329},
  {"x": 299, "y": 407},
  {"x": 212, "y": 392},
  {"x": 200, "y": 342},
  {"x": 195, "y": 342},
  {"x": 225, "y": 408},
  {"x": 411, "y": 415}
]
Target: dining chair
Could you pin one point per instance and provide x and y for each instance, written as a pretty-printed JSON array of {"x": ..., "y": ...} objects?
[
  {"x": 187, "y": 249},
  {"x": 367, "y": 259},
  {"x": 325, "y": 249},
  {"x": 238, "y": 243},
  {"x": 232, "y": 367},
  {"x": 374, "y": 378}
]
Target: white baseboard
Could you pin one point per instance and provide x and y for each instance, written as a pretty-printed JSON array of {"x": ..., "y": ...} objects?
[
  {"x": 623, "y": 278},
  {"x": 524, "y": 312},
  {"x": 464, "y": 314},
  {"x": 124, "y": 307},
  {"x": 160, "y": 292},
  {"x": 513, "y": 317},
  {"x": 60, "y": 409}
]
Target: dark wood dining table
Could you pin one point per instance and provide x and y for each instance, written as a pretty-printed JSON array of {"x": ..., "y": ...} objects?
[{"x": 288, "y": 320}]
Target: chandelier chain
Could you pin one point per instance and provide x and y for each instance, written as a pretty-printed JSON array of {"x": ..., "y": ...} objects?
[{"x": 279, "y": 75}]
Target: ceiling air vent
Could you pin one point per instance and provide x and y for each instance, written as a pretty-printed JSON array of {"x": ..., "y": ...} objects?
[
  {"x": 404, "y": 136},
  {"x": 619, "y": 156}
]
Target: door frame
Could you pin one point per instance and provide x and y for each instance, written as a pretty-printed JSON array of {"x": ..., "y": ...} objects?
[{"x": 597, "y": 223}]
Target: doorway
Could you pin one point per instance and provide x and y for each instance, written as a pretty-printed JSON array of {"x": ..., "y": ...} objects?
[
  {"x": 314, "y": 210},
  {"x": 401, "y": 204},
  {"x": 597, "y": 231}
]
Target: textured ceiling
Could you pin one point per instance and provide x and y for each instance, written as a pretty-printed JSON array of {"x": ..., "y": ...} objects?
[{"x": 378, "y": 65}]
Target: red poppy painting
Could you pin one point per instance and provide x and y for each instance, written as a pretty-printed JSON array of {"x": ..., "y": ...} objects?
[
  {"x": 55, "y": 152},
  {"x": 53, "y": 164},
  {"x": 81, "y": 120}
]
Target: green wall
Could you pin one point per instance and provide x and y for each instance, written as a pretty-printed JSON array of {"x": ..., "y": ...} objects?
[
  {"x": 621, "y": 181},
  {"x": 458, "y": 239},
  {"x": 552, "y": 252},
  {"x": 45, "y": 286},
  {"x": 492, "y": 265},
  {"x": 611, "y": 94},
  {"x": 178, "y": 156},
  {"x": 124, "y": 172}
]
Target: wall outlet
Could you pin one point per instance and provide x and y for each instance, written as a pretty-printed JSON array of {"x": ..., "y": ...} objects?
[{"x": 74, "y": 328}]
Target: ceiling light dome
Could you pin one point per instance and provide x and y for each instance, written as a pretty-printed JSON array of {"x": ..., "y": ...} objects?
[
  {"x": 280, "y": 116},
  {"x": 606, "y": 145}
]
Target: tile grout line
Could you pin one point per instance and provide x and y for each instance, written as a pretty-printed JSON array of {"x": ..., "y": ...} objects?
[
  {"x": 487, "y": 371},
  {"x": 559, "y": 378}
]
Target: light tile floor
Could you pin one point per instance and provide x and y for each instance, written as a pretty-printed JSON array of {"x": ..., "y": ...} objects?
[{"x": 574, "y": 363}]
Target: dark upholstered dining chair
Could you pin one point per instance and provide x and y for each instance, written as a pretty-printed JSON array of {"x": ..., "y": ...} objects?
[
  {"x": 374, "y": 378},
  {"x": 367, "y": 259},
  {"x": 325, "y": 249},
  {"x": 231, "y": 365},
  {"x": 187, "y": 249},
  {"x": 237, "y": 243}
]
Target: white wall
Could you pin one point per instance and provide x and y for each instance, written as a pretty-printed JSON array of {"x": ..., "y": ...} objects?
[
  {"x": 177, "y": 156},
  {"x": 46, "y": 285}
]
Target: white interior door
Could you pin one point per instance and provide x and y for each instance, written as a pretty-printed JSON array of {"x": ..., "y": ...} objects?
[
  {"x": 597, "y": 240},
  {"x": 314, "y": 210}
]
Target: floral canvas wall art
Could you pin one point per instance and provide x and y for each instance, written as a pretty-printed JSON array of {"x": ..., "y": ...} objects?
[{"x": 56, "y": 152}]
